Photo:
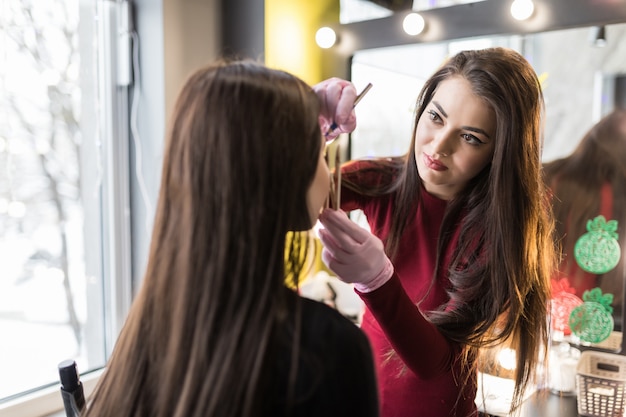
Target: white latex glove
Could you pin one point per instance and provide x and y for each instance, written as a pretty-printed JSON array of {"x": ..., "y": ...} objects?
[
  {"x": 337, "y": 98},
  {"x": 353, "y": 253}
]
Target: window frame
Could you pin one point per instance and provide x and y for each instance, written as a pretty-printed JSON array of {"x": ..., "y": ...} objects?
[{"x": 104, "y": 44}]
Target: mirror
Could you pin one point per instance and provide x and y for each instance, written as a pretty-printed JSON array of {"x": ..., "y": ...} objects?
[{"x": 581, "y": 82}]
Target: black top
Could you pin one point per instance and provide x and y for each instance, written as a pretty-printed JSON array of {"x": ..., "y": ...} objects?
[{"x": 336, "y": 374}]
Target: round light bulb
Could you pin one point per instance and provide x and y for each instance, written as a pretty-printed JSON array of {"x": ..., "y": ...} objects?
[
  {"x": 522, "y": 9},
  {"x": 325, "y": 37},
  {"x": 413, "y": 24}
]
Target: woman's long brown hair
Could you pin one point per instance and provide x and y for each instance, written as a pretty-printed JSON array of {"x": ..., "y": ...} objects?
[
  {"x": 506, "y": 229},
  {"x": 576, "y": 182},
  {"x": 242, "y": 150}
]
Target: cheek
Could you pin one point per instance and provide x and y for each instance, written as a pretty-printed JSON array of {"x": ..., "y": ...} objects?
[
  {"x": 322, "y": 178},
  {"x": 422, "y": 135},
  {"x": 472, "y": 166},
  {"x": 318, "y": 191}
]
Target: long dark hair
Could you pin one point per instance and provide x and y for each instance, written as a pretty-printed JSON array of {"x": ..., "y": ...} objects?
[
  {"x": 242, "y": 150},
  {"x": 577, "y": 181},
  {"x": 506, "y": 229}
]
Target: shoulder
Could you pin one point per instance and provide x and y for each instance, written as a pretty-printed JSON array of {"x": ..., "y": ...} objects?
[
  {"x": 372, "y": 172},
  {"x": 321, "y": 320},
  {"x": 335, "y": 371},
  {"x": 327, "y": 332}
]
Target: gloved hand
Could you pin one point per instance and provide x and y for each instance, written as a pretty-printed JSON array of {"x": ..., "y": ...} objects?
[
  {"x": 353, "y": 253},
  {"x": 337, "y": 98}
]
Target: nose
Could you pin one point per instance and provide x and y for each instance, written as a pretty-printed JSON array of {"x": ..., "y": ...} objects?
[{"x": 442, "y": 143}]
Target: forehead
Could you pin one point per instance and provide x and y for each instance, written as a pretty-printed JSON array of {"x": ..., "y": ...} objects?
[{"x": 462, "y": 105}]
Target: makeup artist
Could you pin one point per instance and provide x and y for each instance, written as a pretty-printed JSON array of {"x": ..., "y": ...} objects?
[{"x": 461, "y": 251}]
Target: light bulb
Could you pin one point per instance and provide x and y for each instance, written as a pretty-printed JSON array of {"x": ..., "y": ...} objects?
[
  {"x": 413, "y": 24},
  {"x": 522, "y": 9},
  {"x": 325, "y": 37}
]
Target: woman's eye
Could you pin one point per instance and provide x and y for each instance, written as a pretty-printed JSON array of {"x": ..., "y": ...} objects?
[
  {"x": 432, "y": 115},
  {"x": 472, "y": 140}
]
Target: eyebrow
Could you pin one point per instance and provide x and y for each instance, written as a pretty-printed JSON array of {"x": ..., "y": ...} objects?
[{"x": 471, "y": 129}]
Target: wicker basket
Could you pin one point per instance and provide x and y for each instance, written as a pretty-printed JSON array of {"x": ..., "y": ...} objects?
[
  {"x": 600, "y": 382},
  {"x": 613, "y": 342}
]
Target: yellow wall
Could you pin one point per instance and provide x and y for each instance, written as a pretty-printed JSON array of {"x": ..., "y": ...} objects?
[{"x": 290, "y": 27}]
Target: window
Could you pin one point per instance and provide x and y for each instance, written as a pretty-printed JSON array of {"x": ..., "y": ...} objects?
[{"x": 64, "y": 204}]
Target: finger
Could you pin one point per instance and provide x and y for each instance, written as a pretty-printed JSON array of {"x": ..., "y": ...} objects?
[
  {"x": 324, "y": 124},
  {"x": 344, "y": 113},
  {"x": 324, "y": 91},
  {"x": 341, "y": 239},
  {"x": 322, "y": 86},
  {"x": 332, "y": 98},
  {"x": 339, "y": 222},
  {"x": 328, "y": 241},
  {"x": 328, "y": 259},
  {"x": 335, "y": 265},
  {"x": 331, "y": 134},
  {"x": 342, "y": 249},
  {"x": 331, "y": 261},
  {"x": 337, "y": 97},
  {"x": 346, "y": 126},
  {"x": 342, "y": 256}
]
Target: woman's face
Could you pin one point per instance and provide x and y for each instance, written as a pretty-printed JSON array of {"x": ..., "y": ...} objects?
[
  {"x": 319, "y": 188},
  {"x": 455, "y": 138}
]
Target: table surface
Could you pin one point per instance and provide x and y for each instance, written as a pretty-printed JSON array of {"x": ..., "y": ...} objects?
[{"x": 545, "y": 403}]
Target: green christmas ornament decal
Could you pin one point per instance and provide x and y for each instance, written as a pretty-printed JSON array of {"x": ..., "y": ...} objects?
[
  {"x": 598, "y": 251},
  {"x": 592, "y": 321}
]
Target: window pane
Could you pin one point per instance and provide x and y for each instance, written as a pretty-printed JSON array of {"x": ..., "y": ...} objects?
[{"x": 44, "y": 286}]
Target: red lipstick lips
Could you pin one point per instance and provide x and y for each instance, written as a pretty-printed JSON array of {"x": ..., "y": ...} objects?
[{"x": 434, "y": 164}]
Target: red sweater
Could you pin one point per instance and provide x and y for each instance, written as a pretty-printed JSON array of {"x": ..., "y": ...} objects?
[{"x": 423, "y": 376}]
